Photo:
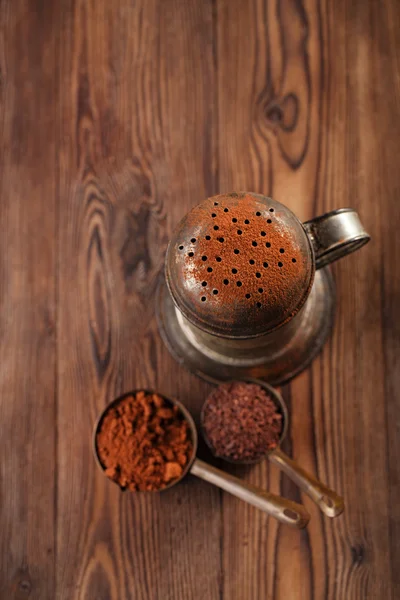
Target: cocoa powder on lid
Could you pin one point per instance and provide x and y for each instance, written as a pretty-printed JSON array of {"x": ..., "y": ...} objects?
[{"x": 239, "y": 264}]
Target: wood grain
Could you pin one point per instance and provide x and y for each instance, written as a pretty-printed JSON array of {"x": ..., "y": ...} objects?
[
  {"x": 298, "y": 125},
  {"x": 130, "y": 166},
  {"x": 28, "y": 216},
  {"x": 116, "y": 119}
]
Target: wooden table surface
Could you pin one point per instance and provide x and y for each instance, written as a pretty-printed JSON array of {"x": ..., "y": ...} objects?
[{"x": 116, "y": 118}]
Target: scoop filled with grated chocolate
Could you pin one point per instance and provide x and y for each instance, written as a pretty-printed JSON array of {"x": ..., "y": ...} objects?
[{"x": 246, "y": 421}]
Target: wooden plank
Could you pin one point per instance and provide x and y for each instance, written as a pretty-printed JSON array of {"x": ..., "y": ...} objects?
[
  {"x": 116, "y": 119},
  {"x": 298, "y": 93},
  {"x": 28, "y": 194},
  {"x": 137, "y": 133},
  {"x": 383, "y": 86}
]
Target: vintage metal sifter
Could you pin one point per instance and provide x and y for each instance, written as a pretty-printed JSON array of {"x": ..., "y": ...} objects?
[{"x": 246, "y": 289}]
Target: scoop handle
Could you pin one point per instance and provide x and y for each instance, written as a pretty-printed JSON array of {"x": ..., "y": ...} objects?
[
  {"x": 284, "y": 510},
  {"x": 328, "y": 500}
]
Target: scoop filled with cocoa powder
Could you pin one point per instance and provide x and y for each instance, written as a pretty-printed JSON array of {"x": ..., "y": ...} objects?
[
  {"x": 246, "y": 421},
  {"x": 144, "y": 441}
]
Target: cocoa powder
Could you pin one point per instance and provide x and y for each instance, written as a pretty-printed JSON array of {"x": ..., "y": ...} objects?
[
  {"x": 239, "y": 264},
  {"x": 241, "y": 422},
  {"x": 144, "y": 442},
  {"x": 278, "y": 270}
]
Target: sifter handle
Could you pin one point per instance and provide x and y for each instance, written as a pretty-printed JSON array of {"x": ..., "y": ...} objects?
[
  {"x": 286, "y": 511},
  {"x": 335, "y": 234},
  {"x": 328, "y": 500}
]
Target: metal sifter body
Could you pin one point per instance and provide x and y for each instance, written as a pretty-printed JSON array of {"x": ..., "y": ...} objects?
[{"x": 244, "y": 293}]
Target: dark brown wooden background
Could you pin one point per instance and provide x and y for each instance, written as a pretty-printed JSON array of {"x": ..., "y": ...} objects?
[{"x": 116, "y": 118}]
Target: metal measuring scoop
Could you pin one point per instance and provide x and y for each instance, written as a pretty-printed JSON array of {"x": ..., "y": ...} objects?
[
  {"x": 328, "y": 500},
  {"x": 284, "y": 510}
]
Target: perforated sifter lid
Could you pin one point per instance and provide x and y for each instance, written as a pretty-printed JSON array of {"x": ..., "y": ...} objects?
[{"x": 239, "y": 265}]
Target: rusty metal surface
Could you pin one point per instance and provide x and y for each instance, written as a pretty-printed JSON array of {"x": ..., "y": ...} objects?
[
  {"x": 276, "y": 357},
  {"x": 239, "y": 265}
]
